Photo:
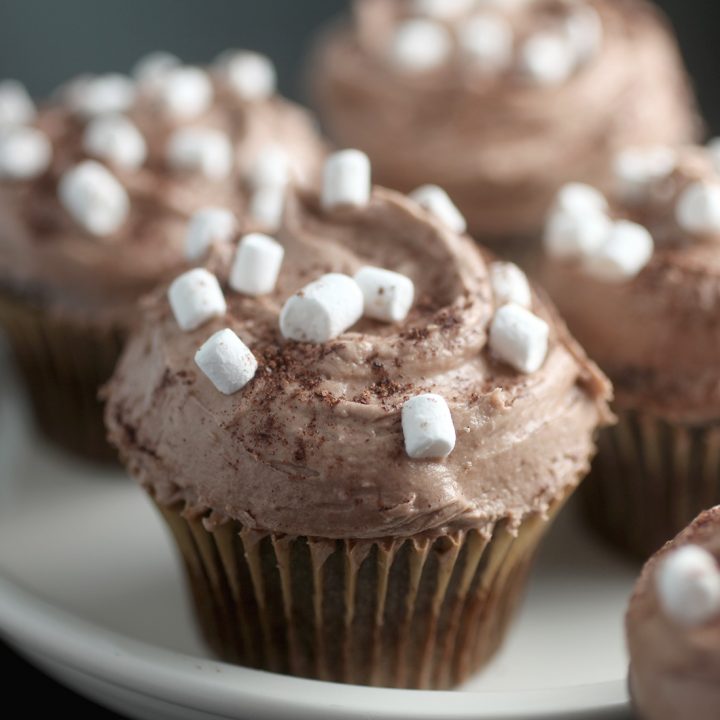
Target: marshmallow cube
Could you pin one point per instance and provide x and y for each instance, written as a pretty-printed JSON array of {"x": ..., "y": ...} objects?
[
  {"x": 117, "y": 140},
  {"x": 201, "y": 150},
  {"x": 510, "y": 285},
  {"x": 94, "y": 198},
  {"x": 196, "y": 297},
  {"x": 548, "y": 59},
  {"x": 346, "y": 180},
  {"x": 388, "y": 296},
  {"x": 267, "y": 206},
  {"x": 25, "y": 153},
  {"x": 488, "y": 41},
  {"x": 150, "y": 71},
  {"x": 625, "y": 252},
  {"x": 250, "y": 75},
  {"x": 438, "y": 203},
  {"x": 257, "y": 265},
  {"x": 698, "y": 208},
  {"x": 420, "y": 45},
  {"x": 427, "y": 427},
  {"x": 578, "y": 198},
  {"x": 637, "y": 169},
  {"x": 584, "y": 30},
  {"x": 16, "y": 105},
  {"x": 688, "y": 586},
  {"x": 519, "y": 338},
  {"x": 271, "y": 168},
  {"x": 185, "y": 92},
  {"x": 322, "y": 310},
  {"x": 226, "y": 361},
  {"x": 574, "y": 234},
  {"x": 208, "y": 226},
  {"x": 102, "y": 95}
]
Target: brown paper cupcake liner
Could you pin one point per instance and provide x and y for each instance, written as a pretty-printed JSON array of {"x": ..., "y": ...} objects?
[
  {"x": 407, "y": 613},
  {"x": 650, "y": 478},
  {"x": 63, "y": 363}
]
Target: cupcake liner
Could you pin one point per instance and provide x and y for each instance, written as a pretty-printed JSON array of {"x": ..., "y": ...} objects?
[
  {"x": 408, "y": 613},
  {"x": 650, "y": 478},
  {"x": 63, "y": 363}
]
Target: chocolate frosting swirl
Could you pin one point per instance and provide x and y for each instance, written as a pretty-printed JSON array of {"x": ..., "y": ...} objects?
[{"x": 313, "y": 444}]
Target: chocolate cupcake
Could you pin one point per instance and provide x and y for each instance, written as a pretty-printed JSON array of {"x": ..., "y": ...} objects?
[
  {"x": 96, "y": 189},
  {"x": 636, "y": 275},
  {"x": 501, "y": 103},
  {"x": 673, "y": 627},
  {"x": 357, "y": 432}
]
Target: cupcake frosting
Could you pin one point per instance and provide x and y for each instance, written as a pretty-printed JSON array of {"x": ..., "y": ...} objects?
[
  {"x": 45, "y": 249},
  {"x": 577, "y": 81},
  {"x": 313, "y": 444}
]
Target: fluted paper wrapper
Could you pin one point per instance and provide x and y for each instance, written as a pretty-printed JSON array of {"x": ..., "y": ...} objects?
[
  {"x": 407, "y": 613},
  {"x": 63, "y": 363},
  {"x": 650, "y": 479}
]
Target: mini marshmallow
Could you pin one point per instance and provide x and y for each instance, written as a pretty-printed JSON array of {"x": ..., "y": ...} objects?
[
  {"x": 488, "y": 41},
  {"x": 625, "y": 252},
  {"x": 226, "y": 361},
  {"x": 102, "y": 95},
  {"x": 438, "y": 203},
  {"x": 519, "y": 338},
  {"x": 271, "y": 168},
  {"x": 584, "y": 30},
  {"x": 388, "y": 295},
  {"x": 698, "y": 208},
  {"x": 206, "y": 227},
  {"x": 25, "y": 153},
  {"x": 636, "y": 170},
  {"x": 427, "y": 427},
  {"x": 257, "y": 265},
  {"x": 150, "y": 71},
  {"x": 185, "y": 92},
  {"x": 420, "y": 45},
  {"x": 322, "y": 310},
  {"x": 16, "y": 105},
  {"x": 267, "y": 205},
  {"x": 346, "y": 180},
  {"x": 688, "y": 586},
  {"x": 442, "y": 8},
  {"x": 574, "y": 234},
  {"x": 547, "y": 58},
  {"x": 250, "y": 75},
  {"x": 579, "y": 198},
  {"x": 201, "y": 150},
  {"x": 117, "y": 140},
  {"x": 510, "y": 285},
  {"x": 94, "y": 198},
  {"x": 196, "y": 297}
]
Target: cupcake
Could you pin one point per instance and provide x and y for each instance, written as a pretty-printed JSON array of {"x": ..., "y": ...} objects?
[
  {"x": 501, "y": 103},
  {"x": 636, "y": 276},
  {"x": 96, "y": 190},
  {"x": 673, "y": 627},
  {"x": 357, "y": 431}
]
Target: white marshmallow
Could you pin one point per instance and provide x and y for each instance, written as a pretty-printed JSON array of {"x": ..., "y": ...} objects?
[
  {"x": 388, "y": 295},
  {"x": 488, "y": 41},
  {"x": 185, "y": 92},
  {"x": 427, "y": 427},
  {"x": 94, "y": 198},
  {"x": 636, "y": 170},
  {"x": 688, "y": 586},
  {"x": 16, "y": 105},
  {"x": 510, "y": 284},
  {"x": 420, "y": 45},
  {"x": 519, "y": 338},
  {"x": 117, "y": 140},
  {"x": 101, "y": 95},
  {"x": 574, "y": 234},
  {"x": 267, "y": 205},
  {"x": 584, "y": 30},
  {"x": 271, "y": 168},
  {"x": 625, "y": 252},
  {"x": 322, "y": 310},
  {"x": 206, "y": 227},
  {"x": 226, "y": 361},
  {"x": 196, "y": 297},
  {"x": 150, "y": 71},
  {"x": 442, "y": 8},
  {"x": 698, "y": 208},
  {"x": 578, "y": 197},
  {"x": 25, "y": 153},
  {"x": 438, "y": 203},
  {"x": 201, "y": 150},
  {"x": 346, "y": 180},
  {"x": 250, "y": 75},
  {"x": 257, "y": 265},
  {"x": 548, "y": 58}
]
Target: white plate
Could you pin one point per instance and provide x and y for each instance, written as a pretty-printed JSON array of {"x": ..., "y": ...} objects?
[{"x": 91, "y": 591}]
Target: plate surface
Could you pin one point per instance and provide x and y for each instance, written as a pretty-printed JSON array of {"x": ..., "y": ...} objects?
[{"x": 91, "y": 591}]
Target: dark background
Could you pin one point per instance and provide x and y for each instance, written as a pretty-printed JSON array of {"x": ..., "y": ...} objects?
[{"x": 43, "y": 42}]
